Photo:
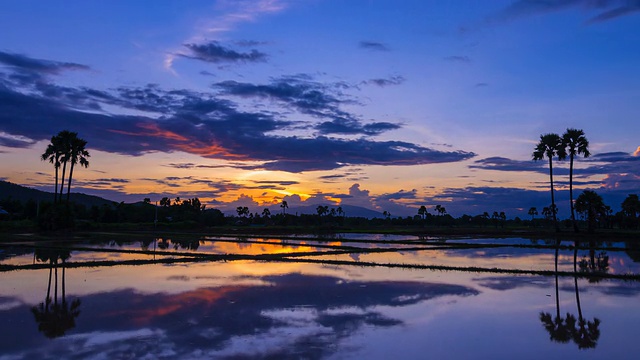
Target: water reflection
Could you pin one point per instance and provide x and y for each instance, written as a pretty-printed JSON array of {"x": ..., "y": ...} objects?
[
  {"x": 291, "y": 316},
  {"x": 564, "y": 330},
  {"x": 55, "y": 318}
]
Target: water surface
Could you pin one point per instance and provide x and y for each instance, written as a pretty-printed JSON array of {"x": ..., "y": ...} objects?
[{"x": 338, "y": 298}]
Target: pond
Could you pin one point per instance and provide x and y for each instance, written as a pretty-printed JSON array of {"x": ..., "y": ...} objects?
[{"x": 344, "y": 297}]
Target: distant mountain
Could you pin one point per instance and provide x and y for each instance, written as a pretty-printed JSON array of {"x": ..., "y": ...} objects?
[{"x": 22, "y": 193}]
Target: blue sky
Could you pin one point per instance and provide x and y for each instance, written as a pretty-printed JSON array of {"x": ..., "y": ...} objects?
[{"x": 384, "y": 104}]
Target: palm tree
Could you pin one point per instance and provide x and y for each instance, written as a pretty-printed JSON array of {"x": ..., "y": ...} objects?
[
  {"x": 533, "y": 212},
  {"x": 560, "y": 329},
  {"x": 53, "y": 153},
  {"x": 284, "y": 206},
  {"x": 575, "y": 143},
  {"x": 77, "y": 154},
  {"x": 587, "y": 334},
  {"x": 266, "y": 213},
  {"x": 550, "y": 145},
  {"x": 64, "y": 143}
]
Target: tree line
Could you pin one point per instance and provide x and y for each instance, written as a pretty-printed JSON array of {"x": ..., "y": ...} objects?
[{"x": 66, "y": 150}]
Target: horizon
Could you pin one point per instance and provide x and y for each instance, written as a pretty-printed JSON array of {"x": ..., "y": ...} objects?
[{"x": 371, "y": 104}]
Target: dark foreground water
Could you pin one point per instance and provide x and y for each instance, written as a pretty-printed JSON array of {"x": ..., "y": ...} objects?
[{"x": 338, "y": 298}]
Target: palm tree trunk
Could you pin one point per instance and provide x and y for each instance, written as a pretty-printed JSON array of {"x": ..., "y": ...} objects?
[
  {"x": 553, "y": 202},
  {"x": 55, "y": 192},
  {"x": 48, "y": 299},
  {"x": 64, "y": 300},
  {"x": 69, "y": 183},
  {"x": 575, "y": 279},
  {"x": 573, "y": 213},
  {"x": 55, "y": 290},
  {"x": 64, "y": 172},
  {"x": 557, "y": 290}
]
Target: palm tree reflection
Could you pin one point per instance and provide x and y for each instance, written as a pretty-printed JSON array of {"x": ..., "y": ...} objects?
[
  {"x": 55, "y": 318},
  {"x": 582, "y": 332}
]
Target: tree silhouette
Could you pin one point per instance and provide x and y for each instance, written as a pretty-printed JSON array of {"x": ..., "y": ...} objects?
[
  {"x": 587, "y": 334},
  {"x": 77, "y": 154},
  {"x": 631, "y": 209},
  {"x": 422, "y": 211},
  {"x": 562, "y": 330},
  {"x": 266, "y": 213},
  {"x": 575, "y": 143},
  {"x": 559, "y": 328},
  {"x": 533, "y": 212},
  {"x": 65, "y": 148},
  {"x": 592, "y": 205},
  {"x": 284, "y": 207},
  {"x": 550, "y": 145},
  {"x": 322, "y": 210},
  {"x": 53, "y": 154},
  {"x": 55, "y": 318}
]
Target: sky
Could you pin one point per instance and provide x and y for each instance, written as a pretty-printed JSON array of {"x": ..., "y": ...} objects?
[{"x": 389, "y": 105}]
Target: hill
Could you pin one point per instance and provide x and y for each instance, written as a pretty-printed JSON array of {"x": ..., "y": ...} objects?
[{"x": 21, "y": 193}]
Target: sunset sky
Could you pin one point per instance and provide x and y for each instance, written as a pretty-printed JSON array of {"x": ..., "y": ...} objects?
[{"x": 383, "y": 104}]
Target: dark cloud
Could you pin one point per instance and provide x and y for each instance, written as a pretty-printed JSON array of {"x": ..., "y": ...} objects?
[
  {"x": 482, "y": 84},
  {"x": 398, "y": 195},
  {"x": 393, "y": 80},
  {"x": 354, "y": 127},
  {"x": 602, "y": 10},
  {"x": 22, "y": 63},
  {"x": 276, "y": 182},
  {"x": 207, "y": 125},
  {"x": 373, "y": 45},
  {"x": 458, "y": 58},
  {"x": 299, "y": 92},
  {"x": 505, "y": 164},
  {"x": 213, "y": 52},
  {"x": 598, "y": 164},
  {"x": 303, "y": 94}
]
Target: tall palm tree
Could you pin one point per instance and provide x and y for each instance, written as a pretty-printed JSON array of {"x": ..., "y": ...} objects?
[
  {"x": 64, "y": 139},
  {"x": 77, "y": 154},
  {"x": 575, "y": 143},
  {"x": 53, "y": 153},
  {"x": 284, "y": 206},
  {"x": 550, "y": 145}
]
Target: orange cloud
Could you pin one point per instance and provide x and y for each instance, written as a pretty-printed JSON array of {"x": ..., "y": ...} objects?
[{"x": 637, "y": 152}]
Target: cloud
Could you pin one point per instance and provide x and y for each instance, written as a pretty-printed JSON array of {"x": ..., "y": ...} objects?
[
  {"x": 602, "y": 10},
  {"x": 23, "y": 63},
  {"x": 213, "y": 52},
  {"x": 373, "y": 45},
  {"x": 352, "y": 127},
  {"x": 208, "y": 125},
  {"x": 412, "y": 194},
  {"x": 393, "y": 80},
  {"x": 458, "y": 58},
  {"x": 505, "y": 164},
  {"x": 637, "y": 152},
  {"x": 597, "y": 164},
  {"x": 298, "y": 91}
]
